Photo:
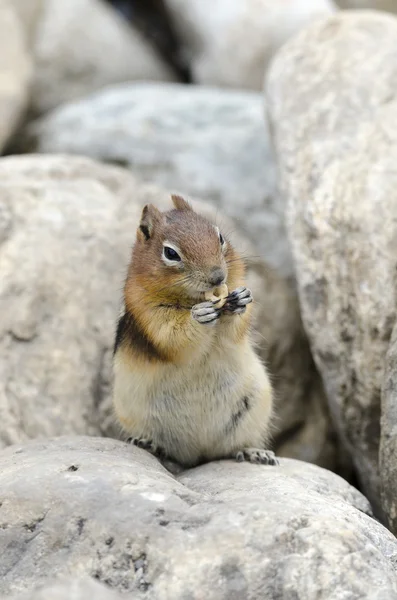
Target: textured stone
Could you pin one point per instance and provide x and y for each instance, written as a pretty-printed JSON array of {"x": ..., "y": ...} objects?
[
  {"x": 61, "y": 272},
  {"x": 68, "y": 223},
  {"x": 99, "y": 508},
  {"x": 15, "y": 72},
  {"x": 336, "y": 138},
  {"x": 302, "y": 427},
  {"x": 231, "y": 42},
  {"x": 388, "y": 439},
  {"x": 67, "y": 589},
  {"x": 73, "y": 59},
  {"x": 212, "y": 144}
]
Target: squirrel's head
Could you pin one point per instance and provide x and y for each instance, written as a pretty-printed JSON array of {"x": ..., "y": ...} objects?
[{"x": 180, "y": 254}]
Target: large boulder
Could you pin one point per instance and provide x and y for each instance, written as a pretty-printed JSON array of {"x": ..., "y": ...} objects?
[
  {"x": 73, "y": 59},
  {"x": 15, "y": 72},
  {"x": 63, "y": 246},
  {"x": 66, "y": 228},
  {"x": 99, "y": 508},
  {"x": 336, "y": 137},
  {"x": 212, "y": 144},
  {"x": 231, "y": 42}
]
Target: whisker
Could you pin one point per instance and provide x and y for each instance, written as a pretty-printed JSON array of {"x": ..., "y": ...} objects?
[
  {"x": 178, "y": 282},
  {"x": 231, "y": 261}
]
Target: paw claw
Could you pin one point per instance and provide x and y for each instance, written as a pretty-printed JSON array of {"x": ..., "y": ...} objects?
[
  {"x": 141, "y": 443},
  {"x": 148, "y": 445},
  {"x": 238, "y": 300},
  {"x": 257, "y": 456},
  {"x": 240, "y": 456},
  {"x": 205, "y": 313}
]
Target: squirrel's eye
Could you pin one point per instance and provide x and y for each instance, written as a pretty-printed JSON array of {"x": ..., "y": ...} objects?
[
  {"x": 221, "y": 239},
  {"x": 171, "y": 254}
]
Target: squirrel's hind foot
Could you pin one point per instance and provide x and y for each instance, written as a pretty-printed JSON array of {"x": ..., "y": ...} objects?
[
  {"x": 257, "y": 456},
  {"x": 148, "y": 445}
]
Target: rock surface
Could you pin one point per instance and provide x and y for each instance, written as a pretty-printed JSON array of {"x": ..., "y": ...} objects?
[
  {"x": 72, "y": 59},
  {"x": 212, "y": 144},
  {"x": 29, "y": 12},
  {"x": 302, "y": 422},
  {"x": 102, "y": 509},
  {"x": 388, "y": 439},
  {"x": 230, "y": 42},
  {"x": 387, "y": 5},
  {"x": 75, "y": 589},
  {"x": 336, "y": 138},
  {"x": 15, "y": 72},
  {"x": 68, "y": 223}
]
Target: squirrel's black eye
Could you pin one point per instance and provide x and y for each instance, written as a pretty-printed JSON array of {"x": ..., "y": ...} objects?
[
  {"x": 171, "y": 254},
  {"x": 221, "y": 239}
]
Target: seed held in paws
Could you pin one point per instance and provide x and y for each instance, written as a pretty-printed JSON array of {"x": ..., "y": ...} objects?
[{"x": 218, "y": 295}]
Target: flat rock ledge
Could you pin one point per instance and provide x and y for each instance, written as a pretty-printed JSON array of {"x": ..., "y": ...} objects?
[{"x": 85, "y": 509}]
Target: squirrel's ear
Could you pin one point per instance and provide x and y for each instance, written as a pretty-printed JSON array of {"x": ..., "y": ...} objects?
[
  {"x": 180, "y": 203},
  {"x": 150, "y": 215}
]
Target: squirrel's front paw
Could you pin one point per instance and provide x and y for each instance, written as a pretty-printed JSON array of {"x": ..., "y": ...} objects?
[
  {"x": 258, "y": 456},
  {"x": 237, "y": 301},
  {"x": 205, "y": 313}
]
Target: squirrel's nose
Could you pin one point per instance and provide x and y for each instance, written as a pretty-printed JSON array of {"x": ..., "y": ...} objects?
[{"x": 216, "y": 277}]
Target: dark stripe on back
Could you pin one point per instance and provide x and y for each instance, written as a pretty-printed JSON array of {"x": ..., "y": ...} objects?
[{"x": 129, "y": 332}]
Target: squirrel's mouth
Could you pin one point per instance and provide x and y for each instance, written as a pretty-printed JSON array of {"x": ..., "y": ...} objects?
[
  {"x": 200, "y": 290},
  {"x": 197, "y": 287}
]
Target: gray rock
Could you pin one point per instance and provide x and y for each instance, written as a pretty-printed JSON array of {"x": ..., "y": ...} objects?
[
  {"x": 209, "y": 143},
  {"x": 388, "y": 439},
  {"x": 68, "y": 223},
  {"x": 15, "y": 70},
  {"x": 73, "y": 59},
  {"x": 233, "y": 43},
  {"x": 302, "y": 424},
  {"x": 28, "y": 12},
  {"x": 336, "y": 138},
  {"x": 387, "y": 5},
  {"x": 98, "y": 508},
  {"x": 75, "y": 589}
]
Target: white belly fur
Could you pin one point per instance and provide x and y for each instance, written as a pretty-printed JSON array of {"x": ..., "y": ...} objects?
[{"x": 188, "y": 410}]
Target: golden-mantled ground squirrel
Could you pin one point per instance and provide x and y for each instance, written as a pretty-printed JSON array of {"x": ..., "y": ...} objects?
[{"x": 188, "y": 385}]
